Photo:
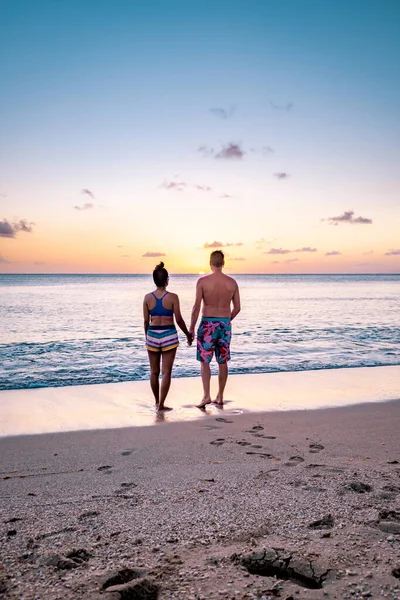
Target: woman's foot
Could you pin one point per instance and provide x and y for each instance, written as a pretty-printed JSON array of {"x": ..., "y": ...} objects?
[
  {"x": 163, "y": 408},
  {"x": 204, "y": 402}
]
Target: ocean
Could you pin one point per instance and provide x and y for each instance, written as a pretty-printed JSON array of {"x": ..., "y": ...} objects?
[{"x": 63, "y": 330}]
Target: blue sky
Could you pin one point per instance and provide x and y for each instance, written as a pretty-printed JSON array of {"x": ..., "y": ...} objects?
[{"x": 117, "y": 97}]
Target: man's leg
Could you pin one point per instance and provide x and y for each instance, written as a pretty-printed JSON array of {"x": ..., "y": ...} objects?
[
  {"x": 205, "y": 378},
  {"x": 223, "y": 354},
  {"x": 168, "y": 358},
  {"x": 222, "y": 378},
  {"x": 154, "y": 359}
]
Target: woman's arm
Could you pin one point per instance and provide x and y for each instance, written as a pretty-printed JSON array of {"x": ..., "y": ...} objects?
[
  {"x": 146, "y": 316},
  {"x": 179, "y": 319}
]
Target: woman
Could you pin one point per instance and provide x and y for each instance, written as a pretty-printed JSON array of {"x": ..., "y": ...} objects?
[{"x": 159, "y": 309}]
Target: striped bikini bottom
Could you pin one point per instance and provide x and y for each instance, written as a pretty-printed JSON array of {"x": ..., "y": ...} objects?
[{"x": 161, "y": 338}]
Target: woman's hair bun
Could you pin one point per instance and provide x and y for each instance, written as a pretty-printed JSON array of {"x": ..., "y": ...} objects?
[{"x": 159, "y": 266}]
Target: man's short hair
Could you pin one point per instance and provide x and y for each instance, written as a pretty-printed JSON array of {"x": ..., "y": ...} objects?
[{"x": 217, "y": 259}]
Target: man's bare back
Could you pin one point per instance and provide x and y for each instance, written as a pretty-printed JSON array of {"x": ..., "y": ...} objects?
[{"x": 218, "y": 291}]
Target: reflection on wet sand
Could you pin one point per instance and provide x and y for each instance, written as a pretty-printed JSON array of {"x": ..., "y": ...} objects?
[{"x": 115, "y": 405}]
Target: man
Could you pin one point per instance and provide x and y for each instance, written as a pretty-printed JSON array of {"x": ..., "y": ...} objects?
[{"x": 217, "y": 291}]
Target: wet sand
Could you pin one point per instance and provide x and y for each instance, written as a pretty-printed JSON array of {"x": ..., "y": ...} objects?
[
  {"x": 290, "y": 504},
  {"x": 115, "y": 405}
]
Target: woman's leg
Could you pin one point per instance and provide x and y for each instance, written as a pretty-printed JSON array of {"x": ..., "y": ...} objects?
[
  {"x": 154, "y": 360},
  {"x": 168, "y": 358}
]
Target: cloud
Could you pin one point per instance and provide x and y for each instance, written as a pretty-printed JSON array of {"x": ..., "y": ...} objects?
[
  {"x": 263, "y": 242},
  {"x": 153, "y": 254},
  {"x": 285, "y": 107},
  {"x": 88, "y": 193},
  {"x": 3, "y": 259},
  {"x": 86, "y": 206},
  {"x": 277, "y": 251},
  {"x": 238, "y": 258},
  {"x": 223, "y": 113},
  {"x": 206, "y": 150},
  {"x": 291, "y": 260},
  {"x": 40, "y": 262},
  {"x": 276, "y": 262},
  {"x": 225, "y": 196},
  {"x": 6, "y": 229},
  {"x": 203, "y": 188},
  {"x": 369, "y": 252},
  {"x": 178, "y": 186},
  {"x": 281, "y": 175},
  {"x": 348, "y": 217},
  {"x": 395, "y": 252},
  {"x": 306, "y": 249},
  {"x": 216, "y": 244},
  {"x": 9, "y": 230},
  {"x": 362, "y": 220},
  {"x": 125, "y": 255},
  {"x": 119, "y": 246},
  {"x": 231, "y": 151},
  {"x": 267, "y": 150},
  {"x": 333, "y": 253}
]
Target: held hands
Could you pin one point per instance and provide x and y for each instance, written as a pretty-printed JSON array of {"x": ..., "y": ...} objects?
[{"x": 190, "y": 338}]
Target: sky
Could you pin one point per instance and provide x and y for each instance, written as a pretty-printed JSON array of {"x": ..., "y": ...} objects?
[{"x": 134, "y": 132}]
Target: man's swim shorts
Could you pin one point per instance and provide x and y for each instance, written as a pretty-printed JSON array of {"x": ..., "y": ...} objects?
[{"x": 214, "y": 335}]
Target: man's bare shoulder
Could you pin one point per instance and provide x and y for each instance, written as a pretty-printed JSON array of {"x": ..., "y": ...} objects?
[{"x": 231, "y": 280}]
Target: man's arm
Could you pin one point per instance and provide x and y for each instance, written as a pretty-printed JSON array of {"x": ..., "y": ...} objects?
[
  {"x": 146, "y": 316},
  {"x": 236, "y": 303},
  {"x": 196, "y": 306}
]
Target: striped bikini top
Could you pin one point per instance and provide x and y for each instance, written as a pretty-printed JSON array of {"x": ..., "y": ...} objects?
[{"x": 159, "y": 310}]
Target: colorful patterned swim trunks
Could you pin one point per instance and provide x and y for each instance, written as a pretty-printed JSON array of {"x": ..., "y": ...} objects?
[
  {"x": 214, "y": 335},
  {"x": 161, "y": 338}
]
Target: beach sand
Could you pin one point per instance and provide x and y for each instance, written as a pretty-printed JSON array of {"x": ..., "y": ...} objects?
[{"x": 290, "y": 504}]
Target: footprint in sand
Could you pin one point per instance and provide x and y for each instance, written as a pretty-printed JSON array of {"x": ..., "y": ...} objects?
[
  {"x": 222, "y": 420},
  {"x": 89, "y": 514},
  {"x": 262, "y": 454},
  {"x": 315, "y": 448},
  {"x": 126, "y": 453},
  {"x": 128, "y": 485},
  {"x": 243, "y": 443},
  {"x": 294, "y": 461},
  {"x": 218, "y": 442},
  {"x": 104, "y": 468}
]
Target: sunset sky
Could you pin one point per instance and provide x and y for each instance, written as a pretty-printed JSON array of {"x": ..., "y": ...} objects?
[{"x": 133, "y": 132}]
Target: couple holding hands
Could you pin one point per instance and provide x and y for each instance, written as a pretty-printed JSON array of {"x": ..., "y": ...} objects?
[{"x": 219, "y": 295}]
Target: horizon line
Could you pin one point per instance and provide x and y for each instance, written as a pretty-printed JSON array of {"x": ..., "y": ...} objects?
[{"x": 189, "y": 274}]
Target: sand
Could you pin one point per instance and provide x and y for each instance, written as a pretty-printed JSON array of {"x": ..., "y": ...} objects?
[
  {"x": 113, "y": 405},
  {"x": 256, "y": 505}
]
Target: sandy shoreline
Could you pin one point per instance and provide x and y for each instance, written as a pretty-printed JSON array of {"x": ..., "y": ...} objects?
[
  {"x": 115, "y": 405},
  {"x": 187, "y": 503}
]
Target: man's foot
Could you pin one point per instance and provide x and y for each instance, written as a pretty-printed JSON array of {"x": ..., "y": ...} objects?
[
  {"x": 218, "y": 401},
  {"x": 163, "y": 408},
  {"x": 204, "y": 403}
]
